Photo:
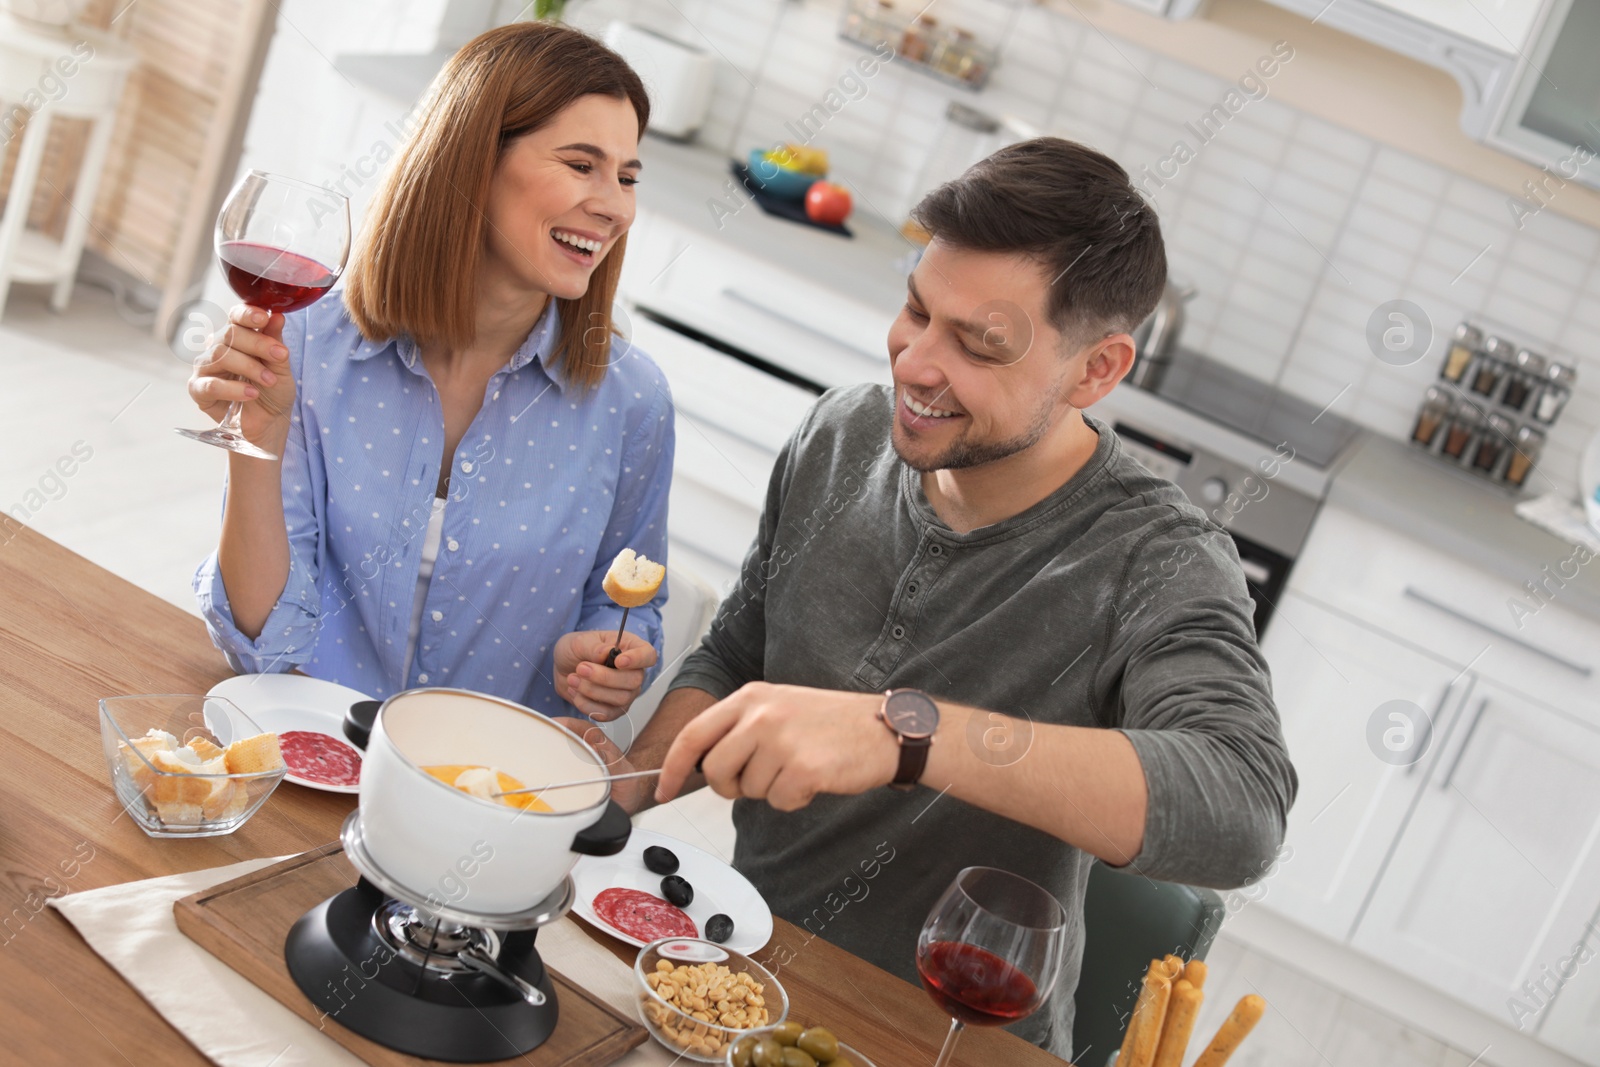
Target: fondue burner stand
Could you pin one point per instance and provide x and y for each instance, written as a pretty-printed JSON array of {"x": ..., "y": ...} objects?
[{"x": 422, "y": 977}]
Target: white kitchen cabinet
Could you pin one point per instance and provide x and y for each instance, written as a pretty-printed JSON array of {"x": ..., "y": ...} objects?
[
  {"x": 1572, "y": 1022},
  {"x": 1497, "y": 872},
  {"x": 1330, "y": 676}
]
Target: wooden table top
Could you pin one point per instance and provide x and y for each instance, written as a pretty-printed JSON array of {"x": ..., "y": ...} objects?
[{"x": 72, "y": 633}]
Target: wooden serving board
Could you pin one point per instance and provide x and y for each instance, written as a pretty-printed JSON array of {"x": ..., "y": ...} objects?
[{"x": 244, "y": 923}]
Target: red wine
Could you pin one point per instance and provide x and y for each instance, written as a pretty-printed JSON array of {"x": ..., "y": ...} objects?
[
  {"x": 976, "y": 986},
  {"x": 271, "y": 278}
]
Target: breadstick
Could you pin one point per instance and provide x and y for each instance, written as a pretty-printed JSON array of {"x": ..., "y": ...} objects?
[
  {"x": 1174, "y": 966},
  {"x": 1149, "y": 1034},
  {"x": 1194, "y": 972},
  {"x": 1181, "y": 1012},
  {"x": 1141, "y": 1010},
  {"x": 1245, "y": 1015}
]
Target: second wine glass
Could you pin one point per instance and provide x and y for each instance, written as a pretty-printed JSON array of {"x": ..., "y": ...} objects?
[
  {"x": 282, "y": 244},
  {"x": 990, "y": 950}
]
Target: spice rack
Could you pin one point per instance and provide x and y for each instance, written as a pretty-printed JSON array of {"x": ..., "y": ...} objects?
[
  {"x": 951, "y": 54},
  {"x": 1492, "y": 407}
]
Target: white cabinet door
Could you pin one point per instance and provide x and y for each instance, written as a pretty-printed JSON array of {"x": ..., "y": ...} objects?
[
  {"x": 1330, "y": 677},
  {"x": 1497, "y": 874},
  {"x": 1572, "y": 1023}
]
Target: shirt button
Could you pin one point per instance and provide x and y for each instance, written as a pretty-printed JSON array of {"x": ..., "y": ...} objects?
[
  {"x": 935, "y": 550},
  {"x": 911, "y": 590},
  {"x": 899, "y": 632},
  {"x": 438, "y": 616},
  {"x": 422, "y": 679},
  {"x": 453, "y": 544},
  {"x": 467, "y": 466}
]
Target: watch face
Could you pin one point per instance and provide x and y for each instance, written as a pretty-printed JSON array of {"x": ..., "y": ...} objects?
[{"x": 912, "y": 713}]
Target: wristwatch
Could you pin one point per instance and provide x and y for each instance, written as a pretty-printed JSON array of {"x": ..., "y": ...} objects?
[{"x": 912, "y": 716}]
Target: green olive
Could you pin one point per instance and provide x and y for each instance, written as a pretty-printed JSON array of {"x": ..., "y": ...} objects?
[
  {"x": 841, "y": 1062},
  {"x": 787, "y": 1033},
  {"x": 741, "y": 1052},
  {"x": 820, "y": 1043},
  {"x": 767, "y": 1053},
  {"x": 793, "y": 1057}
]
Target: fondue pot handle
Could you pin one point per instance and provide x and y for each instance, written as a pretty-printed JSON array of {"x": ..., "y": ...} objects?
[
  {"x": 358, "y": 721},
  {"x": 608, "y": 836}
]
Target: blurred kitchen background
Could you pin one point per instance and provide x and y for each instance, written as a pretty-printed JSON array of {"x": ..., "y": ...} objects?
[{"x": 1343, "y": 184}]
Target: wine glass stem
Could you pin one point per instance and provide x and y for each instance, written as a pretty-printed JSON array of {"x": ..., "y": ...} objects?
[
  {"x": 947, "y": 1054},
  {"x": 230, "y": 421}
]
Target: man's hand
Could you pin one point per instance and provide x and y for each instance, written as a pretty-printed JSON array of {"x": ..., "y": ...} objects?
[
  {"x": 784, "y": 744},
  {"x": 584, "y": 681}
]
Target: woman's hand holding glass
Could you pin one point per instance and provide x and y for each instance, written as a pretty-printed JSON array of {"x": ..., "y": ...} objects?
[
  {"x": 584, "y": 681},
  {"x": 248, "y": 362}
]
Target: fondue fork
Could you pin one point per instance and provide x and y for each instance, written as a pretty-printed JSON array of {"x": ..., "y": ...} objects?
[
  {"x": 611, "y": 657},
  {"x": 589, "y": 781}
]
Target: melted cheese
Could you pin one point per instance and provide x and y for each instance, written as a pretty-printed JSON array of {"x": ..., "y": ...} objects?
[{"x": 474, "y": 780}]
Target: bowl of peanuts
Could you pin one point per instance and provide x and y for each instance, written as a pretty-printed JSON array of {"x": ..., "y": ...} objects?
[{"x": 697, "y": 997}]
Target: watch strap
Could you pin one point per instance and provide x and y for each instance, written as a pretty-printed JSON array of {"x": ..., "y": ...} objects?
[{"x": 913, "y": 761}]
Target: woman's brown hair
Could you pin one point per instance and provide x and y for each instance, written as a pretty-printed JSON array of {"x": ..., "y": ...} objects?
[{"x": 416, "y": 270}]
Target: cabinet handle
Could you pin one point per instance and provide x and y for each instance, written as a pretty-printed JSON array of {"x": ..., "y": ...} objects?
[
  {"x": 1578, "y": 668},
  {"x": 1438, "y": 710},
  {"x": 1472, "y": 727}
]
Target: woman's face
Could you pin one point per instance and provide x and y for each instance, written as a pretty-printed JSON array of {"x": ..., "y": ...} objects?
[{"x": 562, "y": 195}]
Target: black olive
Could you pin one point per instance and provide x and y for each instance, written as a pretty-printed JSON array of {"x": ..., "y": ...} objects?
[
  {"x": 719, "y": 928},
  {"x": 677, "y": 891},
  {"x": 660, "y": 860}
]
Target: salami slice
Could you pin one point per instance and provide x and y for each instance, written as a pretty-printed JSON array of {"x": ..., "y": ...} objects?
[
  {"x": 320, "y": 758},
  {"x": 643, "y": 916}
]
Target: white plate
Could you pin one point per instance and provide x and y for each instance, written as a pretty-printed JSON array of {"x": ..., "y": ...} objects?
[
  {"x": 283, "y": 702},
  {"x": 718, "y": 889}
]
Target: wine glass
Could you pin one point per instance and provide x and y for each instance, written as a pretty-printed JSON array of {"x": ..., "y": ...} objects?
[
  {"x": 990, "y": 950},
  {"x": 282, "y": 244}
]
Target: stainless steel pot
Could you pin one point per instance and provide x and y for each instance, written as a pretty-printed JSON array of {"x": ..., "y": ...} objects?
[{"x": 1156, "y": 338}]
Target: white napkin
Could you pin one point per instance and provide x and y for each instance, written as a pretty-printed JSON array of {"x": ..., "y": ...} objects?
[{"x": 234, "y": 1023}]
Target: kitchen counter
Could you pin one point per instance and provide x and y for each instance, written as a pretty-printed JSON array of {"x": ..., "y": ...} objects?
[
  {"x": 681, "y": 182},
  {"x": 1397, "y": 485}
]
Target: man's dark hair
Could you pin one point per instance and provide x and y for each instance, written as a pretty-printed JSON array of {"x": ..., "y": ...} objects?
[{"x": 1075, "y": 212}]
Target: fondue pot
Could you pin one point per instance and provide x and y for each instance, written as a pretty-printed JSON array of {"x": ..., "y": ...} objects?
[{"x": 468, "y": 853}]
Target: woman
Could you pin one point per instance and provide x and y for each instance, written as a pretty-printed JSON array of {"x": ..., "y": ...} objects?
[{"x": 465, "y": 444}]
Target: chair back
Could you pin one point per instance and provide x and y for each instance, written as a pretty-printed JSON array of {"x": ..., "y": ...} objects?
[{"x": 1128, "y": 920}]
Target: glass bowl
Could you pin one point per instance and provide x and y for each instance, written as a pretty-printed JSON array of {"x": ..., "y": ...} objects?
[
  {"x": 688, "y": 1034},
  {"x": 169, "y": 804},
  {"x": 846, "y": 1053}
]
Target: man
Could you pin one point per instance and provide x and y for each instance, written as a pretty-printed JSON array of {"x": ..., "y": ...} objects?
[{"x": 1080, "y": 634}]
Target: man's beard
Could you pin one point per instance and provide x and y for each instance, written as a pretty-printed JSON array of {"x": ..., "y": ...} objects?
[{"x": 962, "y": 453}]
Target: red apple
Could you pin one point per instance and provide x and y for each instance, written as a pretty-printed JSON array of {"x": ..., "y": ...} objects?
[{"x": 827, "y": 203}]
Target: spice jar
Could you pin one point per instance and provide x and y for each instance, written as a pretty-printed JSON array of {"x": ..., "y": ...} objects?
[
  {"x": 914, "y": 43},
  {"x": 1523, "y": 381},
  {"x": 1490, "y": 371},
  {"x": 1558, "y": 382},
  {"x": 1528, "y": 444},
  {"x": 1493, "y": 444},
  {"x": 1432, "y": 415},
  {"x": 1466, "y": 344},
  {"x": 1465, "y": 421}
]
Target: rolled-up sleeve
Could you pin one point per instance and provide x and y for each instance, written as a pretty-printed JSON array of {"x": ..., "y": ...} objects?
[
  {"x": 289, "y": 635},
  {"x": 638, "y": 521},
  {"x": 1196, "y": 704}
]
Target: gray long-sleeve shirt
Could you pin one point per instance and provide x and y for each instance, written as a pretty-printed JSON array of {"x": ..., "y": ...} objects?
[{"x": 1112, "y": 603}]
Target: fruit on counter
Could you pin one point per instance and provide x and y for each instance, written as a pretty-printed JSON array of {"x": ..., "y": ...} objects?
[
  {"x": 484, "y": 782},
  {"x": 660, "y": 860},
  {"x": 800, "y": 157},
  {"x": 677, "y": 890},
  {"x": 827, "y": 203},
  {"x": 719, "y": 928}
]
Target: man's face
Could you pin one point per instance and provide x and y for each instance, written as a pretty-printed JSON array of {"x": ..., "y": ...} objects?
[{"x": 979, "y": 372}]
